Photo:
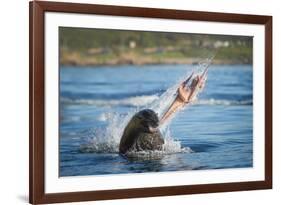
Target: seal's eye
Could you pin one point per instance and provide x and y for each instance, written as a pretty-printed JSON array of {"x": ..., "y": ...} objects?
[{"x": 148, "y": 118}]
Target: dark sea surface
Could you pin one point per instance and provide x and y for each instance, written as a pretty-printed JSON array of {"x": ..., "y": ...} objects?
[{"x": 215, "y": 132}]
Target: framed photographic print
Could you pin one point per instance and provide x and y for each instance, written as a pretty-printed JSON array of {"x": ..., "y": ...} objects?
[{"x": 139, "y": 102}]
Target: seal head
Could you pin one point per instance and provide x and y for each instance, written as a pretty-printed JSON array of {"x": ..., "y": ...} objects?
[{"x": 142, "y": 133}]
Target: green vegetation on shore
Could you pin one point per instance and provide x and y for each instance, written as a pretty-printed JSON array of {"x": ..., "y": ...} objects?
[{"x": 83, "y": 47}]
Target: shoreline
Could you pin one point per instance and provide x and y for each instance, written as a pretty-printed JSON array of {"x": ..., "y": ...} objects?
[{"x": 120, "y": 62}]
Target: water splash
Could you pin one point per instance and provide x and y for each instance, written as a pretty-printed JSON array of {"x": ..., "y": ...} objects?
[
  {"x": 100, "y": 140},
  {"x": 107, "y": 140}
]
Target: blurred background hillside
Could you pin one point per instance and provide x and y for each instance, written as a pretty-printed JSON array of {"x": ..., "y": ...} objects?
[{"x": 90, "y": 47}]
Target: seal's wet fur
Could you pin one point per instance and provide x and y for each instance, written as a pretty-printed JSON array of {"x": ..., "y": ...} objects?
[{"x": 141, "y": 133}]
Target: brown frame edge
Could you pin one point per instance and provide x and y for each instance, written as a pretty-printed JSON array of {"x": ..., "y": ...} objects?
[{"x": 37, "y": 193}]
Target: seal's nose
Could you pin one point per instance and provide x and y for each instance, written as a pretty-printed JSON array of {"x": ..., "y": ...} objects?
[
  {"x": 152, "y": 129},
  {"x": 155, "y": 124}
]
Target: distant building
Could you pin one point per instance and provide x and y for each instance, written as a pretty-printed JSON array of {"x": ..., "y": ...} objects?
[
  {"x": 219, "y": 44},
  {"x": 132, "y": 44}
]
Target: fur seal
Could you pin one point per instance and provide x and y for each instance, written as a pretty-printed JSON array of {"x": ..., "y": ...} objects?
[{"x": 142, "y": 133}]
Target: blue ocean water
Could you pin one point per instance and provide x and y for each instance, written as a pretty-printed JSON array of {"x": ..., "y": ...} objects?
[{"x": 215, "y": 132}]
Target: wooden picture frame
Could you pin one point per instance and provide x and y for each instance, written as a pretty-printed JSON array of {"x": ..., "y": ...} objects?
[{"x": 37, "y": 10}]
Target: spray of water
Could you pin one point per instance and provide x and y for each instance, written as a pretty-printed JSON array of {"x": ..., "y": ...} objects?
[{"x": 107, "y": 140}]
